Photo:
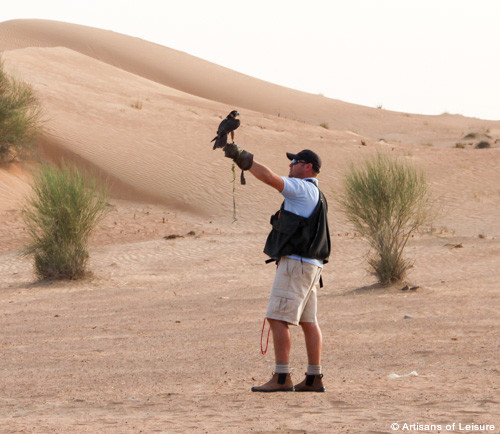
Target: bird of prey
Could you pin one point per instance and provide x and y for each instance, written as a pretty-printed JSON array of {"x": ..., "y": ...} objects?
[{"x": 227, "y": 126}]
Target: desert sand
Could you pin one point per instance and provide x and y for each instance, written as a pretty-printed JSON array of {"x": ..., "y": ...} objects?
[{"x": 164, "y": 336}]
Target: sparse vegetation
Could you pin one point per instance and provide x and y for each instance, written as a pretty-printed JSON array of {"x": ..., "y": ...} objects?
[
  {"x": 324, "y": 125},
  {"x": 483, "y": 145},
  {"x": 386, "y": 201},
  {"x": 19, "y": 116},
  {"x": 60, "y": 215},
  {"x": 470, "y": 136},
  {"x": 137, "y": 104},
  {"x": 474, "y": 140}
]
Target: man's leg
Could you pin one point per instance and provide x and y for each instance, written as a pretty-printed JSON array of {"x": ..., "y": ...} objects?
[
  {"x": 281, "y": 339},
  {"x": 281, "y": 381},
  {"x": 314, "y": 343}
]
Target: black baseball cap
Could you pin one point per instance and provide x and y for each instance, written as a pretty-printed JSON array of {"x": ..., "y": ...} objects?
[{"x": 308, "y": 156}]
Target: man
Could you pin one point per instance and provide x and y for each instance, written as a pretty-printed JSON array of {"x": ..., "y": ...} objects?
[{"x": 300, "y": 243}]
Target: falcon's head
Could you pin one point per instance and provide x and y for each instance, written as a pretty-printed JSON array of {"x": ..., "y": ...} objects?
[{"x": 233, "y": 114}]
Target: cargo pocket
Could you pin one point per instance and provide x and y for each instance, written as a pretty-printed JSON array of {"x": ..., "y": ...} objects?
[{"x": 284, "y": 306}]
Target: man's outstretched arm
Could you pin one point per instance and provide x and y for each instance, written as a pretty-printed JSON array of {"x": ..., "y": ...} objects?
[
  {"x": 266, "y": 175},
  {"x": 245, "y": 161}
]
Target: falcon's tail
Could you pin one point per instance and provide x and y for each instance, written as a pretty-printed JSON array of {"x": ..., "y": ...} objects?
[{"x": 220, "y": 141}]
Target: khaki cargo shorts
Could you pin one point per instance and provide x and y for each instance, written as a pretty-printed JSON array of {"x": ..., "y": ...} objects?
[{"x": 293, "y": 297}]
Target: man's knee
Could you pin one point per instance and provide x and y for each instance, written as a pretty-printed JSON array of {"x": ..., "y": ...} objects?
[{"x": 310, "y": 328}]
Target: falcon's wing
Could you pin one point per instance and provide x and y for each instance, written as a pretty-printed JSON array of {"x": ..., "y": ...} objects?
[{"x": 223, "y": 127}]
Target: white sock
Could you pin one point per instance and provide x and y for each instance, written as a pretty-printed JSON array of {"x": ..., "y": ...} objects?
[
  {"x": 313, "y": 370},
  {"x": 282, "y": 368}
]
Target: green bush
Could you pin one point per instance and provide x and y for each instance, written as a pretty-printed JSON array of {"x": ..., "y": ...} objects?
[
  {"x": 19, "y": 116},
  {"x": 386, "y": 201},
  {"x": 62, "y": 211}
]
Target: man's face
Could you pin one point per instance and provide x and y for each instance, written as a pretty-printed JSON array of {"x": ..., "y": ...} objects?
[{"x": 297, "y": 169}]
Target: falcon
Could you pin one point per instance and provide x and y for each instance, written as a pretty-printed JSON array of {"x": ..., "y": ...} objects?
[{"x": 227, "y": 126}]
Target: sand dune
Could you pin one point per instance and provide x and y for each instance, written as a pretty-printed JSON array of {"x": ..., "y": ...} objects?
[
  {"x": 181, "y": 71},
  {"x": 147, "y": 342},
  {"x": 142, "y": 116},
  {"x": 161, "y": 150}
]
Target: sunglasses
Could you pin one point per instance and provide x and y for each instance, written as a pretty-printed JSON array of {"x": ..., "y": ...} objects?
[{"x": 294, "y": 162}]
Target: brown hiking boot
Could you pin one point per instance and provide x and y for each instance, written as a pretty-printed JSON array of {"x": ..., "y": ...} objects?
[
  {"x": 312, "y": 383},
  {"x": 279, "y": 383}
]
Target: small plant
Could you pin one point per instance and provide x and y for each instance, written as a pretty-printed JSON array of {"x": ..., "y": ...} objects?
[
  {"x": 137, "y": 105},
  {"x": 19, "y": 116},
  {"x": 60, "y": 214},
  {"x": 386, "y": 201},
  {"x": 324, "y": 125},
  {"x": 470, "y": 136},
  {"x": 483, "y": 145}
]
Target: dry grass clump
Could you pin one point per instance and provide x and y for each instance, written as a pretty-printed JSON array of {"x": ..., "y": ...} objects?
[
  {"x": 476, "y": 140},
  {"x": 483, "y": 145},
  {"x": 386, "y": 201},
  {"x": 137, "y": 105},
  {"x": 62, "y": 211},
  {"x": 19, "y": 116}
]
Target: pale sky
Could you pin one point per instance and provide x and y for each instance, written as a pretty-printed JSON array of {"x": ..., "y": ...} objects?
[{"x": 417, "y": 56}]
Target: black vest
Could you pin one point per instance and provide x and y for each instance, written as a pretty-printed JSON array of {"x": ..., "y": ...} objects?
[{"x": 296, "y": 235}]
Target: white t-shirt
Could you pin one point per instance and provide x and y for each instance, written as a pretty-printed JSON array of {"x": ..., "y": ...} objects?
[{"x": 301, "y": 198}]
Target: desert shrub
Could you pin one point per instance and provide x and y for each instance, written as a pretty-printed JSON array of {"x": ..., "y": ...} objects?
[
  {"x": 470, "y": 136},
  {"x": 483, "y": 145},
  {"x": 137, "y": 105},
  {"x": 60, "y": 214},
  {"x": 386, "y": 201},
  {"x": 19, "y": 116}
]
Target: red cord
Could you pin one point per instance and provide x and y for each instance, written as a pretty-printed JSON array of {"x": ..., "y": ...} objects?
[{"x": 262, "y": 335}]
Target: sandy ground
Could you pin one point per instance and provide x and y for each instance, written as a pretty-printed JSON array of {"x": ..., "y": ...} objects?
[
  {"x": 165, "y": 338},
  {"x": 164, "y": 335}
]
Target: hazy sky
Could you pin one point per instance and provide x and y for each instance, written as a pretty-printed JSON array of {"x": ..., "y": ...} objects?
[{"x": 419, "y": 56}]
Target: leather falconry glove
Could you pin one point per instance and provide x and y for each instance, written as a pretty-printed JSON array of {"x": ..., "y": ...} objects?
[{"x": 242, "y": 158}]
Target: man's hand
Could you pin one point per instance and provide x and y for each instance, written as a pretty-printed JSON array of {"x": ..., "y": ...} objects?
[{"x": 243, "y": 159}]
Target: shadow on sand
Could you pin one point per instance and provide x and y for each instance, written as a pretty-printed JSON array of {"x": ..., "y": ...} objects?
[{"x": 378, "y": 288}]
